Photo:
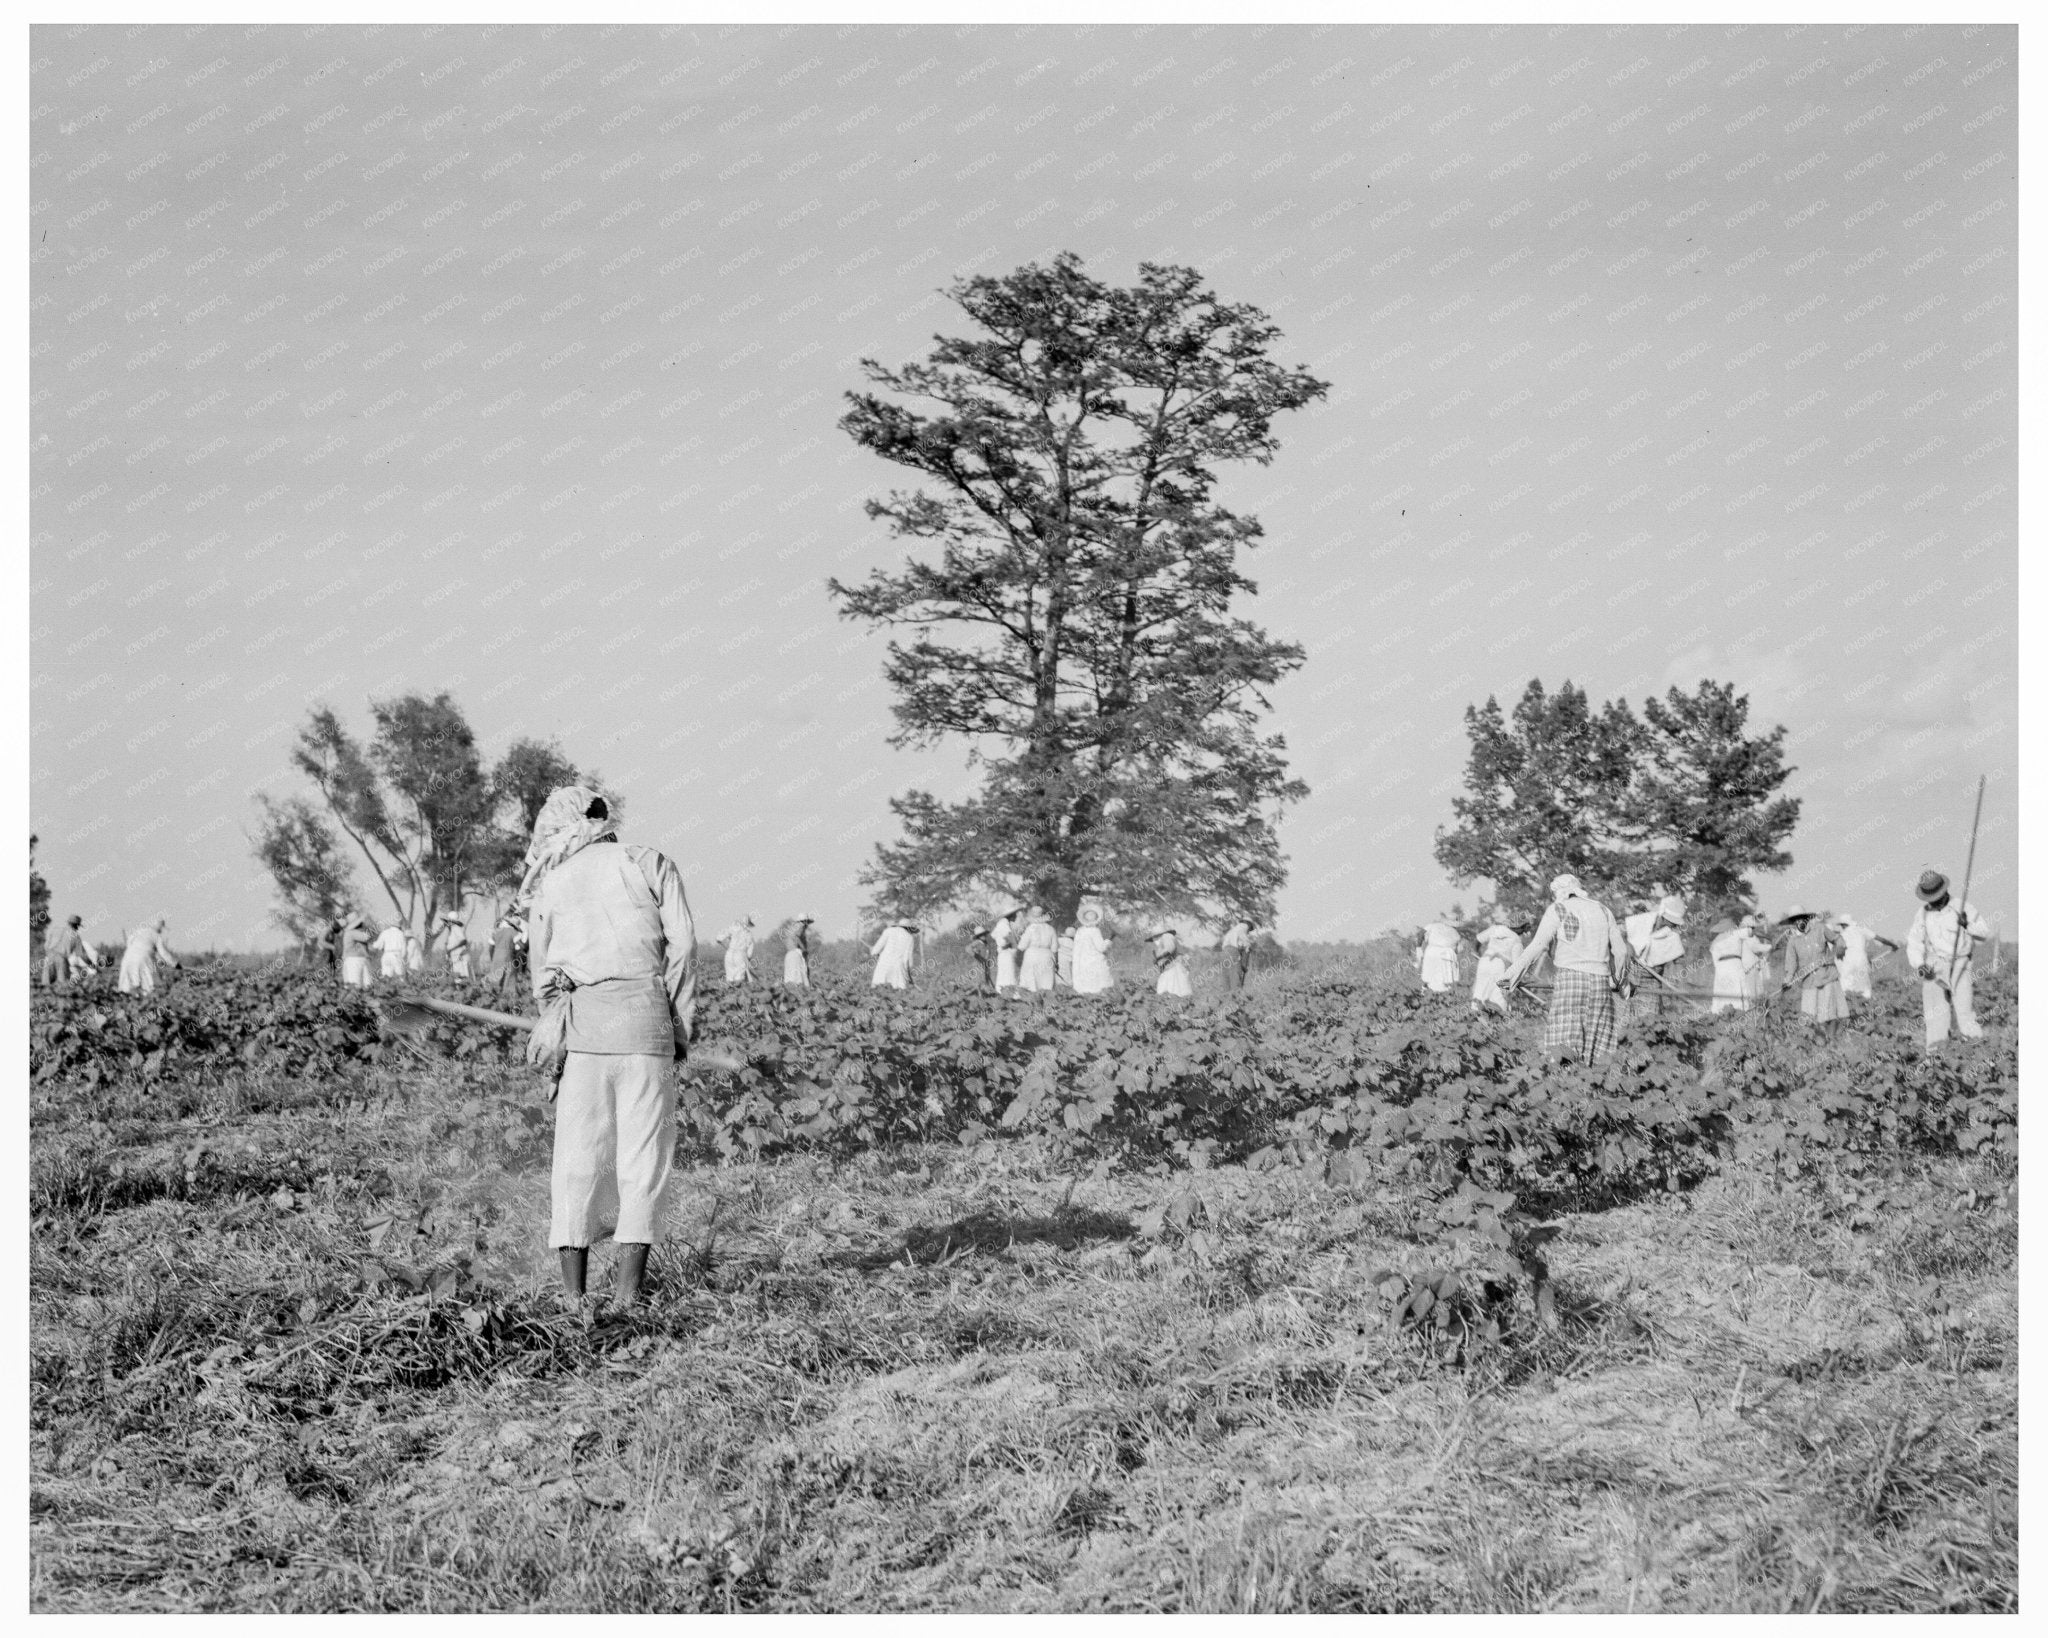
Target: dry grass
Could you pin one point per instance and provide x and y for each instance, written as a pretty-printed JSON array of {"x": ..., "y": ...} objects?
[{"x": 939, "y": 1379}]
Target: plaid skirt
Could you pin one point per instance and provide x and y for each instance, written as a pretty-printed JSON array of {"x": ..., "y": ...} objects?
[{"x": 1581, "y": 1020}]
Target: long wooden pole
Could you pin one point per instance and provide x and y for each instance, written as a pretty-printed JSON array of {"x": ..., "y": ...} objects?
[{"x": 1963, "y": 904}]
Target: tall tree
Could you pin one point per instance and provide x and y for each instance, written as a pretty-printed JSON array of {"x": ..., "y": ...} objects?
[
  {"x": 1074, "y": 623},
  {"x": 1680, "y": 800}
]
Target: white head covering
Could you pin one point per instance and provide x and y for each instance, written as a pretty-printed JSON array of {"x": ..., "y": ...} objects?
[
  {"x": 1672, "y": 909},
  {"x": 1566, "y": 887},
  {"x": 562, "y": 830}
]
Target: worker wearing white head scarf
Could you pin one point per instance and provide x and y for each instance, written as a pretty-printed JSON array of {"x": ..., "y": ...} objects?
[
  {"x": 739, "y": 951},
  {"x": 1036, "y": 963},
  {"x": 613, "y": 955},
  {"x": 146, "y": 947},
  {"x": 1005, "y": 935},
  {"x": 1091, "y": 954},
  {"x": 1498, "y": 947},
  {"x": 1591, "y": 959}
]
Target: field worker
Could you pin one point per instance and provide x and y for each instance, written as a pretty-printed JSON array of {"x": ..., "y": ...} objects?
[
  {"x": 610, "y": 944},
  {"x": 739, "y": 951},
  {"x": 457, "y": 946},
  {"x": 1091, "y": 954},
  {"x": 390, "y": 947},
  {"x": 893, "y": 953},
  {"x": 1236, "y": 948},
  {"x": 1591, "y": 961},
  {"x": 1037, "y": 948},
  {"x": 502, "y": 975},
  {"x": 1856, "y": 942},
  {"x": 330, "y": 945},
  {"x": 981, "y": 951},
  {"x": 1811, "y": 951},
  {"x": 415, "y": 952},
  {"x": 1008, "y": 925},
  {"x": 139, "y": 960},
  {"x": 1756, "y": 957},
  {"x": 1736, "y": 951},
  {"x": 1654, "y": 941},
  {"x": 1172, "y": 962},
  {"x": 1436, "y": 957},
  {"x": 796, "y": 960},
  {"x": 355, "y": 951},
  {"x": 61, "y": 951},
  {"x": 1941, "y": 947},
  {"x": 1065, "y": 961},
  {"x": 1498, "y": 947}
]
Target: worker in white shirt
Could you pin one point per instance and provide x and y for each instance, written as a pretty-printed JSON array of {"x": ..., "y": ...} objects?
[
  {"x": 1236, "y": 946},
  {"x": 739, "y": 951},
  {"x": 1498, "y": 947},
  {"x": 390, "y": 948},
  {"x": 1436, "y": 957},
  {"x": 1004, "y": 933},
  {"x": 1591, "y": 963},
  {"x": 1736, "y": 952},
  {"x": 1654, "y": 940},
  {"x": 1856, "y": 942},
  {"x": 1941, "y": 947},
  {"x": 893, "y": 952},
  {"x": 1091, "y": 953}
]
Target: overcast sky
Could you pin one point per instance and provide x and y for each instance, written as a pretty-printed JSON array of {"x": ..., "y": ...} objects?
[{"x": 507, "y": 361}]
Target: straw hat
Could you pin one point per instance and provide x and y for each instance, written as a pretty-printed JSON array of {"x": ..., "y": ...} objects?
[
  {"x": 1672, "y": 909},
  {"x": 1795, "y": 914},
  {"x": 1091, "y": 914},
  {"x": 1932, "y": 885}
]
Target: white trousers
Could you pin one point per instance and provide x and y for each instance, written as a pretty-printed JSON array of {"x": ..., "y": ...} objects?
[
  {"x": 615, "y": 1146},
  {"x": 1934, "y": 1007},
  {"x": 355, "y": 970}
]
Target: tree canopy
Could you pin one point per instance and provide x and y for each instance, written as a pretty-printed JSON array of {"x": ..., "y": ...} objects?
[
  {"x": 1072, "y": 622},
  {"x": 1680, "y": 800}
]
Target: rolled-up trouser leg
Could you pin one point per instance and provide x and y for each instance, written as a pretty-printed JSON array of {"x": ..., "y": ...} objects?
[
  {"x": 1966, "y": 1008},
  {"x": 1934, "y": 1010},
  {"x": 614, "y": 1146}
]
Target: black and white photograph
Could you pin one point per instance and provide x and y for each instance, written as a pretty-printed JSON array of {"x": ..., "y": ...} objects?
[{"x": 1303, "y": 733}]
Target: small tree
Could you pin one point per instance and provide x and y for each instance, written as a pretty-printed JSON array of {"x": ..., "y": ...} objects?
[
  {"x": 38, "y": 904},
  {"x": 1679, "y": 801},
  {"x": 306, "y": 861},
  {"x": 1073, "y": 625},
  {"x": 416, "y": 805}
]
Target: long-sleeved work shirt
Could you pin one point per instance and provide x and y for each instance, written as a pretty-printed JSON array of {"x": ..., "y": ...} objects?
[
  {"x": 1934, "y": 940},
  {"x": 1582, "y": 937},
  {"x": 613, "y": 920},
  {"x": 1654, "y": 940}
]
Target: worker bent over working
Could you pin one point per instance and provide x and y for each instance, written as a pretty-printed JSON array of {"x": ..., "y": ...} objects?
[{"x": 613, "y": 955}]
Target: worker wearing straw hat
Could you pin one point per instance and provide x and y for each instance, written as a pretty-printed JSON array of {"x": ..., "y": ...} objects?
[
  {"x": 613, "y": 953},
  {"x": 893, "y": 952},
  {"x": 1498, "y": 947},
  {"x": 1941, "y": 947},
  {"x": 1812, "y": 953},
  {"x": 1592, "y": 963},
  {"x": 796, "y": 959},
  {"x": 1091, "y": 953}
]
